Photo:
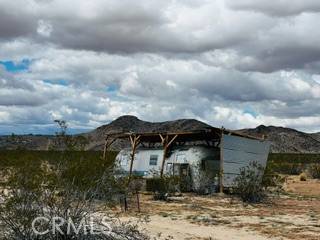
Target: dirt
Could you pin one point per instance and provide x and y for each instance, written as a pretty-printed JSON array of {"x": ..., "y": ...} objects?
[
  {"x": 292, "y": 215},
  {"x": 310, "y": 187}
]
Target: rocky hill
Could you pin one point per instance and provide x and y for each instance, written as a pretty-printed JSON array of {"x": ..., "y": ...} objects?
[
  {"x": 30, "y": 142},
  {"x": 133, "y": 124},
  {"x": 283, "y": 139},
  {"x": 287, "y": 140},
  {"x": 316, "y": 136}
]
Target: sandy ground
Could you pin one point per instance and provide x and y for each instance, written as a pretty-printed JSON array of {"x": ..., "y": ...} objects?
[
  {"x": 295, "y": 215},
  {"x": 308, "y": 188},
  {"x": 183, "y": 229}
]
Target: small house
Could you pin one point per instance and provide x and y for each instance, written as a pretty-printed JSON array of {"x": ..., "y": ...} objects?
[{"x": 212, "y": 157}]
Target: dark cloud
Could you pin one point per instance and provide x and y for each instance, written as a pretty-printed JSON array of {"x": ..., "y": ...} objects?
[
  {"x": 160, "y": 60},
  {"x": 124, "y": 27},
  {"x": 285, "y": 58},
  {"x": 15, "y": 22},
  {"x": 276, "y": 8}
]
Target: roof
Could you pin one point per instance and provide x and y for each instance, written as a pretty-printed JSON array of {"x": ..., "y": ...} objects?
[{"x": 207, "y": 134}]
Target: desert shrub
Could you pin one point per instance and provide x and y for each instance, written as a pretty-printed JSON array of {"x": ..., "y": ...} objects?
[
  {"x": 63, "y": 141},
  {"x": 274, "y": 183},
  {"x": 248, "y": 184},
  {"x": 303, "y": 158},
  {"x": 163, "y": 186},
  {"x": 32, "y": 195},
  {"x": 23, "y": 204},
  {"x": 303, "y": 177},
  {"x": 290, "y": 163},
  {"x": 314, "y": 170},
  {"x": 205, "y": 184},
  {"x": 136, "y": 184},
  {"x": 204, "y": 178},
  {"x": 35, "y": 190},
  {"x": 290, "y": 168},
  {"x": 66, "y": 186},
  {"x": 154, "y": 184}
]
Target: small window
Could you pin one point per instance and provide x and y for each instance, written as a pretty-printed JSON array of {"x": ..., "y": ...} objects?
[
  {"x": 153, "y": 160},
  {"x": 181, "y": 158},
  {"x": 169, "y": 167},
  {"x": 124, "y": 160}
]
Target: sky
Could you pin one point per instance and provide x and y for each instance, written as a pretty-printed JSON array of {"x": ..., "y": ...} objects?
[{"x": 236, "y": 64}]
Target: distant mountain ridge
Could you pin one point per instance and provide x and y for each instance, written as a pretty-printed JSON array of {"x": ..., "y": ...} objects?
[
  {"x": 282, "y": 139},
  {"x": 287, "y": 140},
  {"x": 129, "y": 123}
]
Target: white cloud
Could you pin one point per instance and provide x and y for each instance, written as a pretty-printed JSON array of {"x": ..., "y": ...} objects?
[
  {"x": 211, "y": 60},
  {"x": 44, "y": 28}
]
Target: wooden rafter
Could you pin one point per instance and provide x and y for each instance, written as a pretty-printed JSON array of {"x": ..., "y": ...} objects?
[
  {"x": 166, "y": 142},
  {"x": 107, "y": 145}
]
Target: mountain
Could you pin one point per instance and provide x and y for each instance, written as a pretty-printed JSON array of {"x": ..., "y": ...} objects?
[
  {"x": 287, "y": 140},
  {"x": 316, "y": 136},
  {"x": 129, "y": 123},
  {"x": 30, "y": 142},
  {"x": 282, "y": 139}
]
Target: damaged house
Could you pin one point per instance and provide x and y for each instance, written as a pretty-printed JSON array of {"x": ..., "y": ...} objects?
[{"x": 212, "y": 156}]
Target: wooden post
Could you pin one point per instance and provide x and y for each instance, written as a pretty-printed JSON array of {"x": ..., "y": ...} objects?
[
  {"x": 134, "y": 144},
  {"x": 166, "y": 142},
  {"x": 138, "y": 201},
  {"x": 165, "y": 150},
  {"x": 107, "y": 145},
  {"x": 221, "y": 175},
  {"x": 105, "y": 148},
  {"x": 125, "y": 203}
]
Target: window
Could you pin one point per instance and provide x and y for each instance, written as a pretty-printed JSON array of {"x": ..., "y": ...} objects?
[
  {"x": 181, "y": 158},
  {"x": 169, "y": 167},
  {"x": 203, "y": 165},
  {"x": 124, "y": 160},
  {"x": 153, "y": 160}
]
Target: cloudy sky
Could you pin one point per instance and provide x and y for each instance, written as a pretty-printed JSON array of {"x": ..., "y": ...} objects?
[{"x": 229, "y": 63}]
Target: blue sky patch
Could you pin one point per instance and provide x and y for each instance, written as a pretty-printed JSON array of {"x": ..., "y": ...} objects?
[
  {"x": 250, "y": 111},
  {"x": 19, "y": 66},
  {"x": 112, "y": 88},
  {"x": 61, "y": 82},
  {"x": 47, "y": 129}
]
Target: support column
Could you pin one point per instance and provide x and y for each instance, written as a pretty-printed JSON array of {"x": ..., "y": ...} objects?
[
  {"x": 105, "y": 149},
  {"x": 107, "y": 145},
  {"x": 221, "y": 174},
  {"x": 166, "y": 141},
  {"x": 134, "y": 144}
]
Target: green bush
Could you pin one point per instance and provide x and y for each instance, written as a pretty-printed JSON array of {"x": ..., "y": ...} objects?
[
  {"x": 273, "y": 180},
  {"x": 63, "y": 184},
  {"x": 290, "y": 163},
  {"x": 39, "y": 191},
  {"x": 314, "y": 170},
  {"x": 248, "y": 184},
  {"x": 83, "y": 168},
  {"x": 162, "y": 187}
]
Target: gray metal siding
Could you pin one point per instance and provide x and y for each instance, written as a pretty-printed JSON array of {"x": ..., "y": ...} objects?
[{"x": 238, "y": 152}]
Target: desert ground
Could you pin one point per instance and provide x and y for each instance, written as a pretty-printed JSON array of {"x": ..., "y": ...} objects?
[{"x": 294, "y": 214}]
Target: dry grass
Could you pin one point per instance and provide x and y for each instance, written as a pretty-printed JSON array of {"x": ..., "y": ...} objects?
[
  {"x": 291, "y": 216},
  {"x": 309, "y": 188}
]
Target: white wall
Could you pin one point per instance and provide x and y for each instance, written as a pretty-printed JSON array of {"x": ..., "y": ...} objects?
[
  {"x": 238, "y": 152},
  {"x": 191, "y": 155}
]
